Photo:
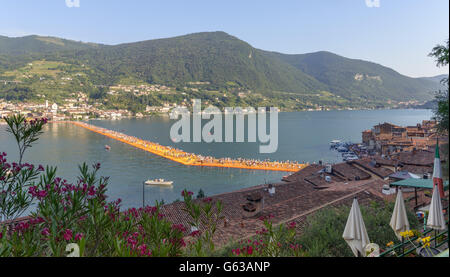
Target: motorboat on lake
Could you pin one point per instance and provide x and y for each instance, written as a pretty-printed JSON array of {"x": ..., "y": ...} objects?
[
  {"x": 158, "y": 182},
  {"x": 351, "y": 158},
  {"x": 342, "y": 149},
  {"x": 335, "y": 143}
]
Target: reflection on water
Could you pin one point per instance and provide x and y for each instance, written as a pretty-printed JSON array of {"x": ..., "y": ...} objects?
[{"x": 303, "y": 136}]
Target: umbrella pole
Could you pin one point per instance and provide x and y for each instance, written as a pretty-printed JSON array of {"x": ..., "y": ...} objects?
[
  {"x": 403, "y": 246},
  {"x": 415, "y": 192},
  {"x": 435, "y": 238}
]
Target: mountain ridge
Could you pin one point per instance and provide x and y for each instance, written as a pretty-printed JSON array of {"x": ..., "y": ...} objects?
[{"x": 222, "y": 59}]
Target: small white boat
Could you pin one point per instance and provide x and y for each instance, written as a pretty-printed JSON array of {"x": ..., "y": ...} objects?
[
  {"x": 158, "y": 182},
  {"x": 335, "y": 143},
  {"x": 351, "y": 158}
]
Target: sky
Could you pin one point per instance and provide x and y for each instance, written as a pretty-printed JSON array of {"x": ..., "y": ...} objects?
[{"x": 395, "y": 33}]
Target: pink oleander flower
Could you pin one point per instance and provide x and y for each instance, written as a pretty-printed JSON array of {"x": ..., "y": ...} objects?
[
  {"x": 91, "y": 191},
  {"x": 189, "y": 193},
  {"x": 196, "y": 233},
  {"x": 96, "y": 166},
  {"x": 262, "y": 232},
  {"x": 68, "y": 234},
  {"x": 22, "y": 226},
  {"x": 179, "y": 227},
  {"x": 143, "y": 249},
  {"x": 32, "y": 191},
  {"x": 291, "y": 225},
  {"x": 79, "y": 236},
  {"x": 207, "y": 200},
  {"x": 42, "y": 194},
  {"x": 36, "y": 220},
  {"x": 45, "y": 232}
]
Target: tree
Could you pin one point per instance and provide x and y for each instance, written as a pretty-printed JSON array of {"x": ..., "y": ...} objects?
[
  {"x": 201, "y": 194},
  {"x": 17, "y": 179},
  {"x": 440, "y": 52},
  {"x": 26, "y": 132}
]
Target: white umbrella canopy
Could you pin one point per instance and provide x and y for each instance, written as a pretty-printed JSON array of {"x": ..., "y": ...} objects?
[
  {"x": 399, "y": 220},
  {"x": 436, "y": 216},
  {"x": 355, "y": 233}
]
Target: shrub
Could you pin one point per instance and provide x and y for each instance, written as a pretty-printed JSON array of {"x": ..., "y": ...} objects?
[
  {"x": 270, "y": 241},
  {"x": 323, "y": 235},
  {"x": 205, "y": 216},
  {"x": 73, "y": 216}
]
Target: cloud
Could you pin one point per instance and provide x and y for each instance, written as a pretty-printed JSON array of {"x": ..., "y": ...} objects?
[
  {"x": 73, "y": 3},
  {"x": 373, "y": 3}
]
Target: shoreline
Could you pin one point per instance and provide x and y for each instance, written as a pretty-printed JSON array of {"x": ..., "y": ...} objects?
[{"x": 168, "y": 114}]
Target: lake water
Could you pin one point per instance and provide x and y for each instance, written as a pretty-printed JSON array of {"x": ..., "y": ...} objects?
[{"x": 303, "y": 136}]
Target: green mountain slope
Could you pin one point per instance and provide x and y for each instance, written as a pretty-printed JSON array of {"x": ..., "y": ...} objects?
[
  {"x": 224, "y": 62},
  {"x": 217, "y": 58},
  {"x": 437, "y": 79},
  {"x": 352, "y": 78},
  {"x": 39, "y": 45}
]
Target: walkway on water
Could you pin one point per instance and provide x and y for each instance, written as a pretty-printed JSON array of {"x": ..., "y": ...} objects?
[{"x": 185, "y": 158}]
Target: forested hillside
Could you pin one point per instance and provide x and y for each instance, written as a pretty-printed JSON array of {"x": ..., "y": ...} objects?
[{"x": 217, "y": 59}]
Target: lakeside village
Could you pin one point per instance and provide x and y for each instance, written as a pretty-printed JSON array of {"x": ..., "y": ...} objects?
[
  {"x": 75, "y": 108},
  {"x": 78, "y": 108},
  {"x": 78, "y": 105}
]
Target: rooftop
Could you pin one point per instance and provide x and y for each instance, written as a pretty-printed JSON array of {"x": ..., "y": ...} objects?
[{"x": 291, "y": 202}]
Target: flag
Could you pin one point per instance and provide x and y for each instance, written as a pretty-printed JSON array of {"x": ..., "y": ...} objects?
[{"x": 437, "y": 172}]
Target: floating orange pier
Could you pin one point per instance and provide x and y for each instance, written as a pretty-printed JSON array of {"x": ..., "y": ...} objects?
[{"x": 185, "y": 158}]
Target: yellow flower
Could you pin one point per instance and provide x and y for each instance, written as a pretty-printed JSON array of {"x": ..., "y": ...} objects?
[
  {"x": 425, "y": 241},
  {"x": 389, "y": 244},
  {"x": 407, "y": 234}
]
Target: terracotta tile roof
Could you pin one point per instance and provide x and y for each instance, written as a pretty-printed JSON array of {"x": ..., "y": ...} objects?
[
  {"x": 319, "y": 179},
  {"x": 364, "y": 199},
  {"x": 349, "y": 172},
  {"x": 302, "y": 174},
  {"x": 291, "y": 201},
  {"x": 418, "y": 157},
  {"x": 341, "y": 172},
  {"x": 417, "y": 169},
  {"x": 378, "y": 170},
  {"x": 383, "y": 161}
]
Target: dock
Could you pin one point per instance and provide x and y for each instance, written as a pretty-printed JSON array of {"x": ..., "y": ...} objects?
[{"x": 191, "y": 159}]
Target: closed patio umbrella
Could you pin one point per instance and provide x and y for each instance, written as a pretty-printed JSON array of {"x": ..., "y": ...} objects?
[
  {"x": 399, "y": 220},
  {"x": 355, "y": 233},
  {"x": 436, "y": 219}
]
